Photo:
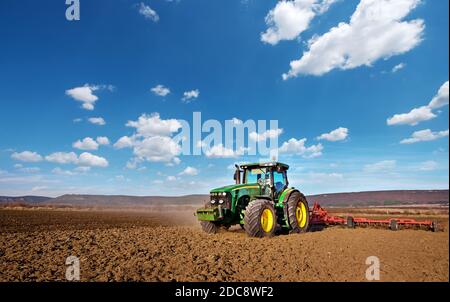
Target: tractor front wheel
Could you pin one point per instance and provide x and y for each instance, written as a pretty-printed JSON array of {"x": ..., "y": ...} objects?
[
  {"x": 298, "y": 212},
  {"x": 209, "y": 227},
  {"x": 260, "y": 219}
]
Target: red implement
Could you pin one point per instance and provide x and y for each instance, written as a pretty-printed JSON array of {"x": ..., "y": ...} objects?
[{"x": 319, "y": 216}]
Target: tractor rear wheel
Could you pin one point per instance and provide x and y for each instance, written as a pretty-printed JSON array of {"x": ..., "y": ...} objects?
[
  {"x": 209, "y": 227},
  {"x": 298, "y": 212},
  {"x": 260, "y": 219}
]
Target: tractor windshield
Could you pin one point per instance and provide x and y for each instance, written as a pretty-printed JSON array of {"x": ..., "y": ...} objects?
[{"x": 253, "y": 175}]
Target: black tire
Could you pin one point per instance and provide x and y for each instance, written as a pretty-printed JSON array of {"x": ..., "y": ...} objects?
[
  {"x": 350, "y": 222},
  {"x": 252, "y": 218},
  {"x": 209, "y": 227},
  {"x": 393, "y": 225},
  {"x": 294, "y": 199}
]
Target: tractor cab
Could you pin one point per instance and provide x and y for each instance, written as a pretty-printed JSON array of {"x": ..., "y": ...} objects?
[{"x": 271, "y": 177}]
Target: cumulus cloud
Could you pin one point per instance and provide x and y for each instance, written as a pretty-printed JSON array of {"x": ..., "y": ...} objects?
[
  {"x": 160, "y": 90},
  {"x": 102, "y": 140},
  {"x": 290, "y": 18},
  {"x": 381, "y": 166},
  {"x": 148, "y": 12},
  {"x": 156, "y": 149},
  {"x": 297, "y": 147},
  {"x": 97, "y": 121},
  {"x": 189, "y": 171},
  {"x": 268, "y": 134},
  {"x": 85, "y": 159},
  {"x": 188, "y": 96},
  {"x": 375, "y": 31},
  {"x": 124, "y": 142},
  {"x": 153, "y": 125},
  {"x": 85, "y": 94},
  {"x": 86, "y": 144},
  {"x": 423, "y": 113},
  {"x": 424, "y": 136},
  {"x": 27, "y": 156},
  {"x": 88, "y": 159},
  {"x": 338, "y": 134},
  {"x": 413, "y": 117},
  {"x": 62, "y": 158}
]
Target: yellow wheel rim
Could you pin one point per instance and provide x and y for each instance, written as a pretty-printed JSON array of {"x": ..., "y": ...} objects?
[
  {"x": 267, "y": 220},
  {"x": 301, "y": 214}
]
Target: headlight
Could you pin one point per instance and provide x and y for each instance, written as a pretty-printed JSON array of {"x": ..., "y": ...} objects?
[
  {"x": 224, "y": 194},
  {"x": 221, "y": 201},
  {"x": 213, "y": 201}
]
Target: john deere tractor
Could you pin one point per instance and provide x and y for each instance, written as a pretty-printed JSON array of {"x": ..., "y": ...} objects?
[{"x": 260, "y": 201}]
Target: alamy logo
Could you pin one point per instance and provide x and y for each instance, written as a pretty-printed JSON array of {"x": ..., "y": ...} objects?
[
  {"x": 373, "y": 271},
  {"x": 73, "y": 268},
  {"x": 73, "y": 10}
]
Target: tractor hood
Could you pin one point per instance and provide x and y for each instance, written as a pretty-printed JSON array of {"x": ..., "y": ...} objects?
[{"x": 233, "y": 188}]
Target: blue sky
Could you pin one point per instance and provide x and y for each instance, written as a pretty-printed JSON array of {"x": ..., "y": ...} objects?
[{"x": 374, "y": 71}]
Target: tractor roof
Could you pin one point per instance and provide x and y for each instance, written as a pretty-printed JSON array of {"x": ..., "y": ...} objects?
[{"x": 267, "y": 164}]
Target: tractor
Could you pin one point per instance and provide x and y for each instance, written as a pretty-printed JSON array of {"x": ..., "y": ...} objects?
[{"x": 260, "y": 201}]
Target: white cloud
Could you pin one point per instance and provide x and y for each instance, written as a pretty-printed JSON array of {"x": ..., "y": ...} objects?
[
  {"x": 85, "y": 94},
  {"x": 375, "y": 31},
  {"x": 268, "y": 134},
  {"x": 59, "y": 171},
  {"x": 424, "y": 136},
  {"x": 429, "y": 165},
  {"x": 294, "y": 146},
  {"x": 88, "y": 159},
  {"x": 441, "y": 99},
  {"x": 86, "y": 144},
  {"x": 157, "y": 149},
  {"x": 97, "y": 121},
  {"x": 27, "y": 156},
  {"x": 219, "y": 151},
  {"x": 148, "y": 12},
  {"x": 102, "y": 140},
  {"x": 189, "y": 95},
  {"x": 290, "y": 18},
  {"x": 62, "y": 158},
  {"x": 82, "y": 169},
  {"x": 160, "y": 90},
  {"x": 398, "y": 67},
  {"x": 338, "y": 134},
  {"x": 382, "y": 166},
  {"x": 153, "y": 125},
  {"x": 189, "y": 171},
  {"x": 77, "y": 120},
  {"x": 171, "y": 178},
  {"x": 423, "y": 113},
  {"x": 124, "y": 142},
  {"x": 413, "y": 117}
]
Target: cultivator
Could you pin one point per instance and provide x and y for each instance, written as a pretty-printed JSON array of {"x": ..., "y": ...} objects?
[{"x": 320, "y": 217}]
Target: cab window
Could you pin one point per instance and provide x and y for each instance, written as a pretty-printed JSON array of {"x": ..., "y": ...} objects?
[
  {"x": 279, "y": 181},
  {"x": 253, "y": 175}
]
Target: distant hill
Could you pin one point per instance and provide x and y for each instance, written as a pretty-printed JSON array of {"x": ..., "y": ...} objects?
[
  {"x": 355, "y": 199},
  {"x": 23, "y": 199},
  {"x": 382, "y": 198}
]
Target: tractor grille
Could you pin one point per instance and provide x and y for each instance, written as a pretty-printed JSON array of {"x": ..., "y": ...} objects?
[{"x": 215, "y": 199}]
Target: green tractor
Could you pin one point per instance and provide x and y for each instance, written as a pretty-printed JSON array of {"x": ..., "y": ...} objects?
[{"x": 261, "y": 202}]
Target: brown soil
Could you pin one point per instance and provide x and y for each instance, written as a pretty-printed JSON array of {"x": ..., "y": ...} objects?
[{"x": 169, "y": 245}]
